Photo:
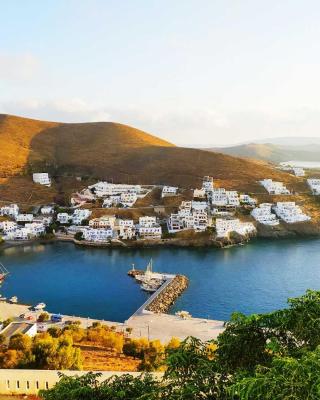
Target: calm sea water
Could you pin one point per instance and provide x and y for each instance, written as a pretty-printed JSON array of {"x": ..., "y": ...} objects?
[{"x": 93, "y": 283}]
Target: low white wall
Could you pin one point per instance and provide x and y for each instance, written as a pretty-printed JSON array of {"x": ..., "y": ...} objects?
[{"x": 26, "y": 381}]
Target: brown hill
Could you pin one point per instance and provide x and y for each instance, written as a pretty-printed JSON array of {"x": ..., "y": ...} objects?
[
  {"x": 108, "y": 150},
  {"x": 272, "y": 152}
]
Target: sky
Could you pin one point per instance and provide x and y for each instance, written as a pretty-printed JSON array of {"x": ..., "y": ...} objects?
[{"x": 194, "y": 72}]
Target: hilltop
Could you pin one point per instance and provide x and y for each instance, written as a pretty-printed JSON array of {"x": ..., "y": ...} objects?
[
  {"x": 113, "y": 151},
  {"x": 272, "y": 152}
]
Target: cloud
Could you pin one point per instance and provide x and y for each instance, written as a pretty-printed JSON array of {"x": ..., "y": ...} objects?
[{"x": 18, "y": 66}]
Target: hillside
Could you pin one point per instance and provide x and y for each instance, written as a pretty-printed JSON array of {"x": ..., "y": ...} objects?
[
  {"x": 272, "y": 152},
  {"x": 107, "y": 150}
]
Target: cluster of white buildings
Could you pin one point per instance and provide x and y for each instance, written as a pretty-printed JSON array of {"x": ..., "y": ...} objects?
[
  {"x": 273, "y": 187},
  {"x": 109, "y": 227},
  {"x": 42, "y": 178},
  {"x": 225, "y": 226},
  {"x": 263, "y": 214},
  {"x": 289, "y": 212},
  {"x": 314, "y": 184},
  {"x": 191, "y": 215},
  {"x": 116, "y": 194},
  {"x": 77, "y": 218},
  {"x": 22, "y": 226}
]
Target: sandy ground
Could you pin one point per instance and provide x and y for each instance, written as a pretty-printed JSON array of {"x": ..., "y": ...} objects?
[{"x": 165, "y": 326}]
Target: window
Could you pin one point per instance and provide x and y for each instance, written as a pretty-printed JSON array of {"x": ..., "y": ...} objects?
[
  {"x": 8, "y": 384},
  {"x": 28, "y": 385},
  {"x": 37, "y": 384},
  {"x": 18, "y": 385},
  {"x": 47, "y": 385}
]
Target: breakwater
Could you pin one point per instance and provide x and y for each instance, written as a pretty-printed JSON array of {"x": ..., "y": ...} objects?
[{"x": 162, "y": 302}]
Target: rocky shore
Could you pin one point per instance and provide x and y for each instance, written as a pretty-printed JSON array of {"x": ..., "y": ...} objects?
[{"x": 168, "y": 296}]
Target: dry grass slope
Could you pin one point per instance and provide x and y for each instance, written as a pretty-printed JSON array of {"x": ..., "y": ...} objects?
[{"x": 108, "y": 150}]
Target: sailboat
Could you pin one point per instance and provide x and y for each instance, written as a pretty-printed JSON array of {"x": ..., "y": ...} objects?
[{"x": 3, "y": 272}]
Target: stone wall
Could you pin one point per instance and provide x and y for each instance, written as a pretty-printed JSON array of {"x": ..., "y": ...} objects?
[{"x": 168, "y": 296}]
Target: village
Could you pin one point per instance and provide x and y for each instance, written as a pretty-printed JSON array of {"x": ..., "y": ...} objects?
[{"x": 212, "y": 209}]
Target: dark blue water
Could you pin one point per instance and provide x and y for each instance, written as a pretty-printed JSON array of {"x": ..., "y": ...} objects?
[{"x": 93, "y": 283}]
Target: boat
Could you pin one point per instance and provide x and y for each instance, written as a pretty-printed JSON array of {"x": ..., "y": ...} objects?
[
  {"x": 3, "y": 272},
  {"x": 13, "y": 299},
  {"x": 40, "y": 306},
  {"x": 149, "y": 274},
  {"x": 148, "y": 288}
]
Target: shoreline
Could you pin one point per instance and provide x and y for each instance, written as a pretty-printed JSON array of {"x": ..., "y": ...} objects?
[{"x": 210, "y": 243}]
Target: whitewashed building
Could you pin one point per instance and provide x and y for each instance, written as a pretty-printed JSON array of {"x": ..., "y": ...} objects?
[
  {"x": 80, "y": 215},
  {"x": 64, "y": 218},
  {"x": 263, "y": 214},
  {"x": 314, "y": 184},
  {"x": 42, "y": 178},
  {"x": 8, "y": 226},
  {"x": 102, "y": 189},
  {"x": 45, "y": 210},
  {"x": 246, "y": 199},
  {"x": 207, "y": 183},
  {"x": 98, "y": 235},
  {"x": 128, "y": 199},
  {"x": 150, "y": 232},
  {"x": 298, "y": 171},
  {"x": 126, "y": 229},
  {"x": 169, "y": 191},
  {"x": 199, "y": 193},
  {"x": 225, "y": 226},
  {"x": 24, "y": 218},
  {"x": 273, "y": 187},
  {"x": 147, "y": 221},
  {"x": 289, "y": 212},
  {"x": 35, "y": 229},
  {"x": 103, "y": 222},
  {"x": 11, "y": 211}
]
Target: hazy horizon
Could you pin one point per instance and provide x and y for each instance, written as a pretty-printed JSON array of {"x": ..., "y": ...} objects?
[{"x": 217, "y": 74}]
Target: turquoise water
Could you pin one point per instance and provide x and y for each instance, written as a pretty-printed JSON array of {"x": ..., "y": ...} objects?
[{"x": 93, "y": 283}]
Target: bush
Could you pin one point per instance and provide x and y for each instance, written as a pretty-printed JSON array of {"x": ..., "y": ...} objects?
[{"x": 79, "y": 236}]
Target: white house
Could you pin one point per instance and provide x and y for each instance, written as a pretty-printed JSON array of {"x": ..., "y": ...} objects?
[
  {"x": 207, "y": 183},
  {"x": 150, "y": 232},
  {"x": 103, "y": 222},
  {"x": 298, "y": 171},
  {"x": 128, "y": 199},
  {"x": 42, "y": 178},
  {"x": 35, "y": 229},
  {"x": 169, "y": 191},
  {"x": 45, "y": 210},
  {"x": 98, "y": 235},
  {"x": 246, "y": 199},
  {"x": 80, "y": 215},
  {"x": 289, "y": 212},
  {"x": 24, "y": 218},
  {"x": 225, "y": 226},
  {"x": 199, "y": 205},
  {"x": 8, "y": 226},
  {"x": 273, "y": 187},
  {"x": 11, "y": 211},
  {"x": 147, "y": 221},
  {"x": 125, "y": 228},
  {"x": 64, "y": 218},
  {"x": 102, "y": 189},
  {"x": 199, "y": 193},
  {"x": 263, "y": 215},
  {"x": 314, "y": 184}
]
